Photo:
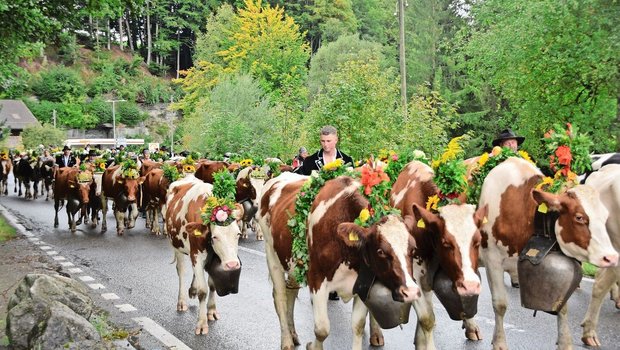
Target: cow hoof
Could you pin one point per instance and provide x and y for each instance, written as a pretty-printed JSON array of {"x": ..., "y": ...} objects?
[
  {"x": 244, "y": 236},
  {"x": 213, "y": 315},
  {"x": 259, "y": 238},
  {"x": 181, "y": 306},
  {"x": 120, "y": 232},
  {"x": 192, "y": 292},
  {"x": 202, "y": 329},
  {"x": 473, "y": 334},
  {"x": 377, "y": 340},
  {"x": 591, "y": 341}
]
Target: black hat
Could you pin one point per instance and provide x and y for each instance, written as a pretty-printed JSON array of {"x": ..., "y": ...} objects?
[
  {"x": 507, "y": 134},
  {"x": 92, "y": 152},
  {"x": 66, "y": 148}
]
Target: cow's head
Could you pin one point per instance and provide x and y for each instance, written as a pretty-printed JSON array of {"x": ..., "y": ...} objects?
[
  {"x": 130, "y": 186},
  {"x": 387, "y": 247},
  {"x": 580, "y": 228},
  {"x": 83, "y": 189},
  {"x": 223, "y": 239},
  {"x": 456, "y": 237},
  {"x": 97, "y": 183}
]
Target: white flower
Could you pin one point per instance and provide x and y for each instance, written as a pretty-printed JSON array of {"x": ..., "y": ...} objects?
[
  {"x": 221, "y": 216},
  {"x": 419, "y": 154}
]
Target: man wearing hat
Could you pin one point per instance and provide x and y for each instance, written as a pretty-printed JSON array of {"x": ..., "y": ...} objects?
[
  {"x": 507, "y": 138},
  {"x": 66, "y": 159}
]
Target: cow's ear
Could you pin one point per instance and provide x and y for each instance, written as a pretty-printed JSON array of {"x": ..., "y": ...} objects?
[
  {"x": 238, "y": 211},
  {"x": 141, "y": 180},
  {"x": 480, "y": 216},
  {"x": 546, "y": 201},
  {"x": 352, "y": 235},
  {"x": 424, "y": 218},
  {"x": 197, "y": 229},
  {"x": 119, "y": 179},
  {"x": 409, "y": 222}
]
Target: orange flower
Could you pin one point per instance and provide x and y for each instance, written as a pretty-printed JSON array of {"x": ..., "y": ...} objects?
[
  {"x": 569, "y": 129},
  {"x": 549, "y": 133},
  {"x": 564, "y": 155},
  {"x": 372, "y": 177}
]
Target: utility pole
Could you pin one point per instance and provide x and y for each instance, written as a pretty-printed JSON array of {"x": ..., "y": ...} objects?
[
  {"x": 172, "y": 130},
  {"x": 114, "y": 119},
  {"x": 401, "y": 49},
  {"x": 54, "y": 117}
]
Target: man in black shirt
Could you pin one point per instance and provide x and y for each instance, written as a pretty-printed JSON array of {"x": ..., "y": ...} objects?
[
  {"x": 328, "y": 152},
  {"x": 66, "y": 159}
]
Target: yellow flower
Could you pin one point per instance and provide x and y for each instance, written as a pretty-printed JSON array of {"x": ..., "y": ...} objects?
[
  {"x": 333, "y": 165},
  {"x": 189, "y": 168},
  {"x": 246, "y": 162},
  {"x": 546, "y": 181},
  {"x": 432, "y": 202},
  {"x": 364, "y": 215},
  {"x": 435, "y": 163},
  {"x": 525, "y": 156},
  {"x": 453, "y": 150},
  {"x": 484, "y": 158},
  {"x": 102, "y": 166},
  {"x": 571, "y": 176},
  {"x": 496, "y": 150}
]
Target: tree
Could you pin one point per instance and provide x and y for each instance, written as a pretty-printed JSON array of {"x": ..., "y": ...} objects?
[{"x": 45, "y": 134}]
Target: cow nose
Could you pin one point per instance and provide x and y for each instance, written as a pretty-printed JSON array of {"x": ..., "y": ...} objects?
[
  {"x": 409, "y": 293},
  {"x": 609, "y": 261},
  {"x": 233, "y": 265},
  {"x": 131, "y": 199},
  {"x": 468, "y": 288}
]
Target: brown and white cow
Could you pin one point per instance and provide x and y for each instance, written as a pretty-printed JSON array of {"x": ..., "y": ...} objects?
[
  {"x": 206, "y": 169},
  {"x": 95, "y": 204},
  {"x": 449, "y": 240},
  {"x": 124, "y": 193},
  {"x": 335, "y": 258},
  {"x": 154, "y": 190},
  {"x": 607, "y": 182},
  {"x": 248, "y": 189},
  {"x": 509, "y": 191},
  {"x": 189, "y": 236},
  {"x": 5, "y": 169},
  {"x": 67, "y": 187}
]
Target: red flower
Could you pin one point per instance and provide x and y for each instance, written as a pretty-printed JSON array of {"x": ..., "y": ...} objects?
[
  {"x": 549, "y": 133},
  {"x": 372, "y": 177},
  {"x": 564, "y": 155},
  {"x": 394, "y": 156}
]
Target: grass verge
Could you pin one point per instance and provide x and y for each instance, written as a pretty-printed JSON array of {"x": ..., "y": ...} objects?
[
  {"x": 6, "y": 231},
  {"x": 107, "y": 329}
]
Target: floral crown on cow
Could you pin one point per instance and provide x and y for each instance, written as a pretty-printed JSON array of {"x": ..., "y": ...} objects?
[
  {"x": 219, "y": 207},
  {"x": 189, "y": 164},
  {"x": 99, "y": 165},
  {"x": 130, "y": 169},
  {"x": 450, "y": 176}
]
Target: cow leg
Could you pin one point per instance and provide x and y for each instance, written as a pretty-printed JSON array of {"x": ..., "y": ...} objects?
[
  {"x": 376, "y": 334},
  {"x": 423, "y": 307},
  {"x": 291, "y": 296},
  {"x": 321, "y": 319},
  {"x": 202, "y": 327},
  {"x": 565, "y": 338},
  {"x": 70, "y": 216},
  {"x": 495, "y": 276},
  {"x": 133, "y": 215},
  {"x": 257, "y": 229},
  {"x": 163, "y": 219},
  {"x": 179, "y": 257},
  {"x": 603, "y": 282},
  {"x": 120, "y": 221},
  {"x": 56, "y": 205},
  {"x": 472, "y": 331},
  {"x": 615, "y": 293},
  {"x": 212, "y": 313},
  {"x": 104, "y": 213},
  {"x": 510, "y": 265},
  {"x": 358, "y": 322},
  {"x": 281, "y": 295}
]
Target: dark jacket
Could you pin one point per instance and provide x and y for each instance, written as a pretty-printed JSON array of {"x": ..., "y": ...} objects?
[
  {"x": 315, "y": 162},
  {"x": 61, "y": 164}
]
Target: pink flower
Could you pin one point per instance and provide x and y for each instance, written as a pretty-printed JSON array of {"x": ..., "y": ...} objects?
[
  {"x": 221, "y": 215},
  {"x": 394, "y": 156}
]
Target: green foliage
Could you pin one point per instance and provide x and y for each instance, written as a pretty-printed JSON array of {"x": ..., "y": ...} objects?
[
  {"x": 46, "y": 134},
  {"x": 70, "y": 114},
  {"x": 224, "y": 185},
  {"x": 589, "y": 269},
  {"x": 106, "y": 329},
  {"x": 152, "y": 91},
  {"x": 6, "y": 230},
  {"x": 13, "y": 80},
  {"x": 128, "y": 113},
  {"x": 67, "y": 48},
  {"x": 360, "y": 102},
  {"x": 59, "y": 84},
  {"x": 170, "y": 172},
  {"x": 235, "y": 117}
]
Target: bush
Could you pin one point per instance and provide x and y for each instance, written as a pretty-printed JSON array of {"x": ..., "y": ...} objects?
[
  {"x": 107, "y": 81},
  {"x": 67, "y": 48},
  {"x": 46, "y": 134},
  {"x": 129, "y": 114},
  {"x": 158, "y": 69},
  {"x": 13, "y": 81},
  {"x": 152, "y": 91},
  {"x": 44, "y": 110},
  {"x": 99, "y": 109},
  {"x": 58, "y": 84},
  {"x": 69, "y": 114}
]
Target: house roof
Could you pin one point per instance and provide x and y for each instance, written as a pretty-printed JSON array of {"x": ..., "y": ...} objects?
[{"x": 16, "y": 114}]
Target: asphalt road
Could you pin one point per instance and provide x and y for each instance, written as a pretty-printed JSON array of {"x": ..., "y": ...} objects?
[{"x": 137, "y": 268}]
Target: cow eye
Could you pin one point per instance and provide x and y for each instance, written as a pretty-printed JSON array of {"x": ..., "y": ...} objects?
[
  {"x": 580, "y": 218},
  {"x": 381, "y": 253},
  {"x": 446, "y": 244}
]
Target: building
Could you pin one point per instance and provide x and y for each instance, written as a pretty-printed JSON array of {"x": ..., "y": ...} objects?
[{"x": 16, "y": 116}]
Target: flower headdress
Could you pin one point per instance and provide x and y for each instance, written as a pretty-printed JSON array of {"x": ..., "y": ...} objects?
[
  {"x": 486, "y": 162},
  {"x": 397, "y": 161},
  {"x": 188, "y": 165},
  {"x": 450, "y": 176},
  {"x": 246, "y": 162},
  {"x": 376, "y": 186},
  {"x": 220, "y": 205},
  {"x": 130, "y": 169},
  {"x": 568, "y": 153},
  {"x": 170, "y": 172},
  {"x": 258, "y": 173},
  {"x": 84, "y": 176},
  {"x": 100, "y": 164},
  {"x": 4, "y": 155}
]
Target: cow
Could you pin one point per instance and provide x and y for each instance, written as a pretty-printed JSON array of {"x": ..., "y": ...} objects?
[
  {"x": 510, "y": 193},
  {"x": 27, "y": 172},
  {"x": 46, "y": 169},
  {"x": 607, "y": 182},
  {"x": 337, "y": 248},
  {"x": 123, "y": 190},
  {"x": 5, "y": 169},
  {"x": 73, "y": 187},
  {"x": 206, "y": 169},
  {"x": 250, "y": 182},
  {"x": 95, "y": 204},
  {"x": 154, "y": 190},
  {"x": 449, "y": 240},
  {"x": 190, "y": 236}
]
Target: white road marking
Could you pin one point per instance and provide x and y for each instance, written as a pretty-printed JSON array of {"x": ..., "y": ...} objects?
[
  {"x": 45, "y": 247},
  {"x": 66, "y": 264},
  {"x": 252, "y": 251},
  {"x": 110, "y": 296},
  {"x": 96, "y": 286},
  {"x": 52, "y": 252},
  {"x": 33, "y": 239},
  {"x": 161, "y": 334},
  {"x": 59, "y": 258},
  {"x": 86, "y": 279},
  {"x": 75, "y": 270},
  {"x": 126, "y": 307}
]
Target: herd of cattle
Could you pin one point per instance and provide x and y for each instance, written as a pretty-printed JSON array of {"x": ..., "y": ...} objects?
[{"x": 402, "y": 255}]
